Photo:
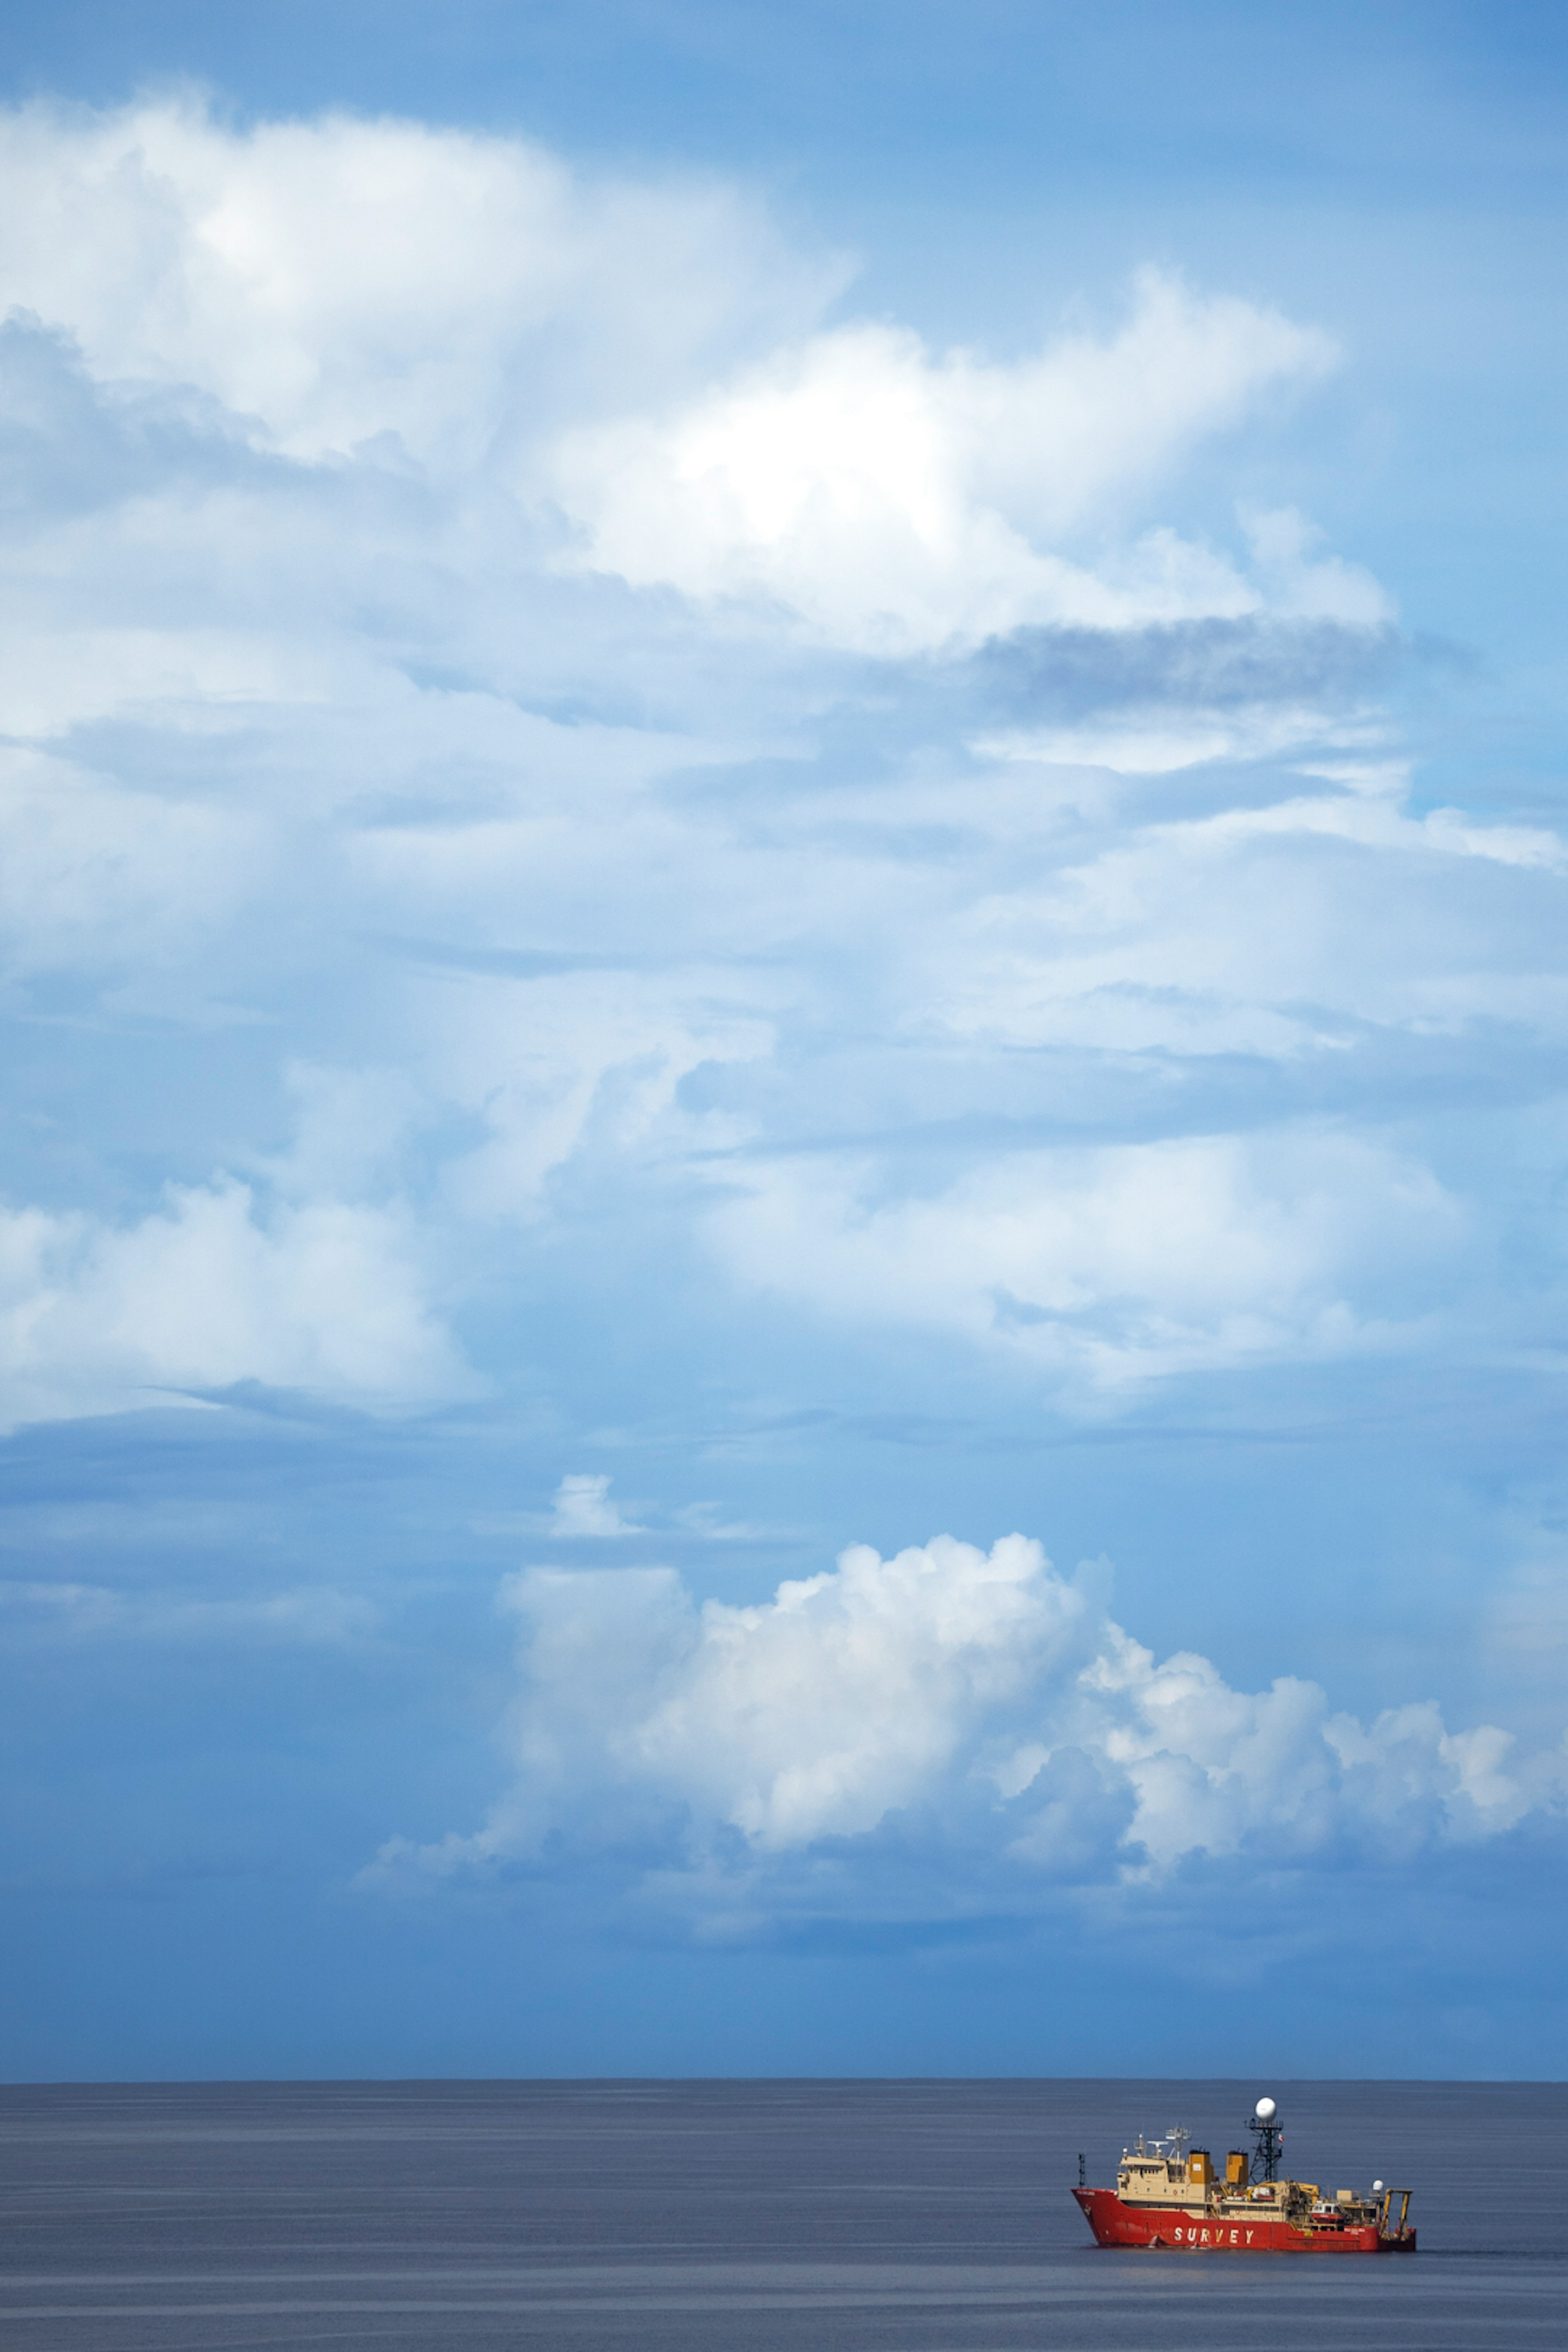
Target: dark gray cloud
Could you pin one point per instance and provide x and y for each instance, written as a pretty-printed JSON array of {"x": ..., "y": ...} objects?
[{"x": 1211, "y": 663}]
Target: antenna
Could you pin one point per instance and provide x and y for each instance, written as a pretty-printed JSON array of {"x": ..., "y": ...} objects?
[
  {"x": 1082, "y": 2172},
  {"x": 1268, "y": 2135}
]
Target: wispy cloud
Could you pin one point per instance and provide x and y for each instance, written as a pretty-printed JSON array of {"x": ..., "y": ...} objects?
[
  {"x": 1116, "y": 1264},
  {"x": 315, "y": 1617}
]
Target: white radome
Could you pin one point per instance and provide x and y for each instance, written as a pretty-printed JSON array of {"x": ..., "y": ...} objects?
[
  {"x": 1264, "y": 2111},
  {"x": 1377, "y": 2187}
]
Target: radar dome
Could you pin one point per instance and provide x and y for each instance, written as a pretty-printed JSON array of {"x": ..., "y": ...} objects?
[
  {"x": 1264, "y": 2111},
  {"x": 1377, "y": 2187}
]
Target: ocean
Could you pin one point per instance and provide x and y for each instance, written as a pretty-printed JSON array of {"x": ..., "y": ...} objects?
[{"x": 745, "y": 2217}]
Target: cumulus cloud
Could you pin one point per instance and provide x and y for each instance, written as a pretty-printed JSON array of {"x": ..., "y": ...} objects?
[
  {"x": 338, "y": 279},
  {"x": 896, "y": 498},
  {"x": 972, "y": 1721},
  {"x": 342, "y": 285}
]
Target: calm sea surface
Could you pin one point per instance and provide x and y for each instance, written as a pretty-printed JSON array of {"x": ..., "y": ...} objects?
[{"x": 740, "y": 2217}]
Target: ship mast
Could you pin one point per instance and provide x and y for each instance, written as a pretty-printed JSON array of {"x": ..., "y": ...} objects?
[{"x": 1268, "y": 2135}]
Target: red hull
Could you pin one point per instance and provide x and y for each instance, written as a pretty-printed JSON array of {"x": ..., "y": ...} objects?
[{"x": 1240, "y": 2232}]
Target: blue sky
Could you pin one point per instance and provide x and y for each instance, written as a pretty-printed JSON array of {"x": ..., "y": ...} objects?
[{"x": 781, "y": 1234}]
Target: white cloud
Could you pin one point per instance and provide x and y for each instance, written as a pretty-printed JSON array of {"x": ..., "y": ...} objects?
[
  {"x": 553, "y": 906},
  {"x": 1305, "y": 585},
  {"x": 1276, "y": 929},
  {"x": 983, "y": 1707},
  {"x": 896, "y": 500},
  {"x": 445, "y": 787},
  {"x": 327, "y": 1296},
  {"x": 339, "y": 278},
  {"x": 1154, "y": 741},
  {"x": 340, "y": 285},
  {"x": 351, "y": 1132},
  {"x": 1114, "y": 1263},
  {"x": 582, "y": 1507}
]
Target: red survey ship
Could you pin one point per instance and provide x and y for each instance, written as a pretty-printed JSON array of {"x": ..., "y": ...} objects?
[{"x": 1166, "y": 2196}]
